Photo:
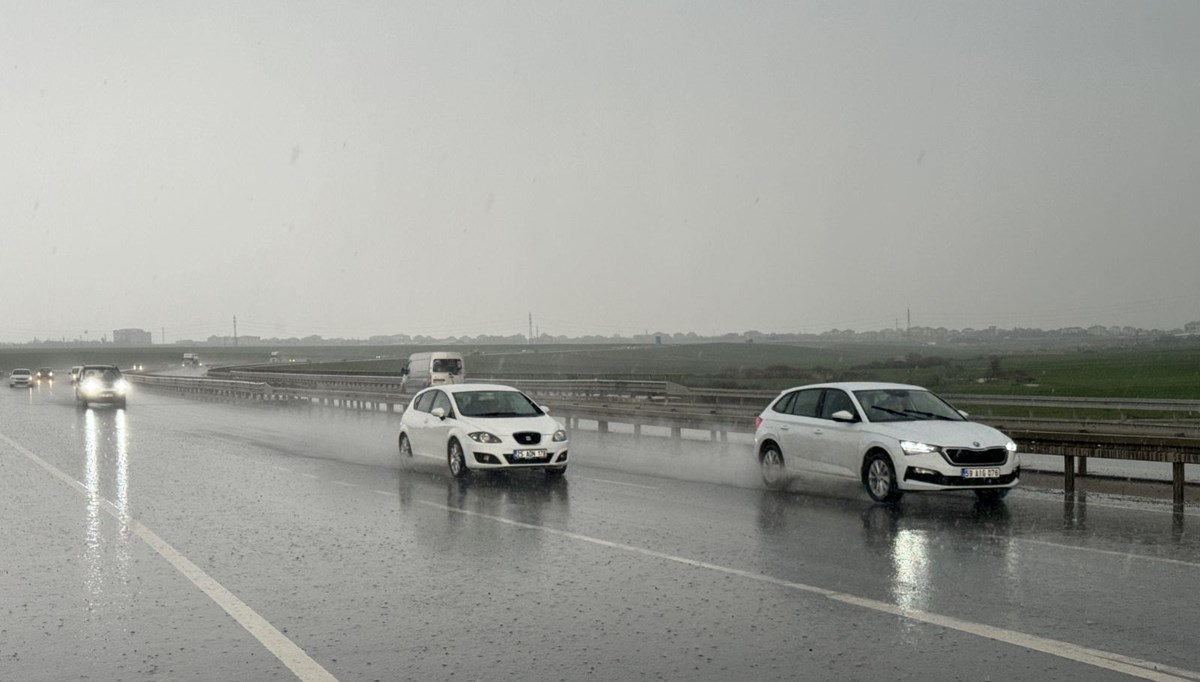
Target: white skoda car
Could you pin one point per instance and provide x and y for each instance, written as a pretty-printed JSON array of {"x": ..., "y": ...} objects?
[
  {"x": 482, "y": 426},
  {"x": 893, "y": 437}
]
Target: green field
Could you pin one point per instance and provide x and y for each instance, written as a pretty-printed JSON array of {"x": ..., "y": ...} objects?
[
  {"x": 1142, "y": 372},
  {"x": 1147, "y": 371}
]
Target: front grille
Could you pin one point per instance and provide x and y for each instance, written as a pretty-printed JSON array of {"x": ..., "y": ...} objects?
[
  {"x": 528, "y": 437},
  {"x": 967, "y": 457}
]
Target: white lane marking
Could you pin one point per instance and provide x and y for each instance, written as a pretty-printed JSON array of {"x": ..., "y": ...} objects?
[
  {"x": 631, "y": 485},
  {"x": 385, "y": 492},
  {"x": 312, "y": 476},
  {"x": 303, "y": 666},
  {"x": 1135, "y": 667},
  {"x": 344, "y": 484},
  {"x": 276, "y": 466},
  {"x": 1109, "y": 552}
]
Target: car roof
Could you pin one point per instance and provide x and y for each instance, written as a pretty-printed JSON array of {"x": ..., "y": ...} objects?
[
  {"x": 98, "y": 367},
  {"x": 21, "y": 370},
  {"x": 859, "y": 386},
  {"x": 460, "y": 388}
]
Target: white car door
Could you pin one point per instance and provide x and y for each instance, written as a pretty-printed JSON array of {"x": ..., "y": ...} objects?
[
  {"x": 439, "y": 428},
  {"x": 418, "y": 422},
  {"x": 837, "y": 444},
  {"x": 796, "y": 430}
]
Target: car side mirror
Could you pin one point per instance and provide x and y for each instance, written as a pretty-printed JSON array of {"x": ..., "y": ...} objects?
[
  {"x": 964, "y": 413},
  {"x": 544, "y": 409},
  {"x": 842, "y": 416},
  {"x": 439, "y": 412}
]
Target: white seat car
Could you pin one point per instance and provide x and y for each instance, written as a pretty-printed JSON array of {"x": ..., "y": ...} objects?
[
  {"x": 893, "y": 437},
  {"x": 482, "y": 426}
]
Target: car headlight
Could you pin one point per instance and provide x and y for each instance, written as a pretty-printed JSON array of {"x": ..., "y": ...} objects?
[
  {"x": 122, "y": 386},
  {"x": 483, "y": 437},
  {"x": 91, "y": 386},
  {"x": 1010, "y": 446},
  {"x": 914, "y": 448},
  {"x": 559, "y": 436}
]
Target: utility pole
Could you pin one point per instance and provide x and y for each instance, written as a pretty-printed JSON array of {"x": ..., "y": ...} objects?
[
  {"x": 235, "y": 330},
  {"x": 908, "y": 328},
  {"x": 163, "y": 338},
  {"x": 530, "y": 328}
]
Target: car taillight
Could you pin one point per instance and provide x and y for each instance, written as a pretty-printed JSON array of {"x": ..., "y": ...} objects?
[{"x": 757, "y": 423}]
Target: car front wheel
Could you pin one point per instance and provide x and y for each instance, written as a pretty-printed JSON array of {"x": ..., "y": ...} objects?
[
  {"x": 456, "y": 460},
  {"x": 880, "y": 479},
  {"x": 405, "y": 447}
]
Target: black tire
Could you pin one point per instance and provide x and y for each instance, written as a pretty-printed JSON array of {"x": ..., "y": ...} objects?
[
  {"x": 879, "y": 478},
  {"x": 556, "y": 472},
  {"x": 772, "y": 468},
  {"x": 405, "y": 446},
  {"x": 992, "y": 495},
  {"x": 456, "y": 460}
]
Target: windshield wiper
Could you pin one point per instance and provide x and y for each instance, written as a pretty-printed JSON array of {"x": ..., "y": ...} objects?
[
  {"x": 898, "y": 413},
  {"x": 931, "y": 415}
]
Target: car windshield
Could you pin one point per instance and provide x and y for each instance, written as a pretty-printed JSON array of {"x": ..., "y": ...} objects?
[
  {"x": 496, "y": 404},
  {"x": 897, "y": 405},
  {"x": 450, "y": 366}
]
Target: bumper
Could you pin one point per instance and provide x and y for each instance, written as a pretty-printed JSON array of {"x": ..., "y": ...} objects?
[
  {"x": 934, "y": 472},
  {"x": 20, "y": 383},
  {"x": 105, "y": 396},
  {"x": 502, "y": 456}
]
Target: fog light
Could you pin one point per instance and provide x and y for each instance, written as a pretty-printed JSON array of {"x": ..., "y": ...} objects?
[
  {"x": 562, "y": 457},
  {"x": 924, "y": 472},
  {"x": 485, "y": 458}
]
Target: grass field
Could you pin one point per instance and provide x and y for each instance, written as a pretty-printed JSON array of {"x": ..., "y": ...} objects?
[{"x": 1146, "y": 371}]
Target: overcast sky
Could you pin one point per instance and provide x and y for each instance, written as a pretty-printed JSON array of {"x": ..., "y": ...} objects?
[{"x": 446, "y": 168}]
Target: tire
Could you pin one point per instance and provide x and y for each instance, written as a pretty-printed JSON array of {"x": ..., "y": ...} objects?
[
  {"x": 556, "y": 472},
  {"x": 456, "y": 460},
  {"x": 992, "y": 494},
  {"x": 405, "y": 447},
  {"x": 879, "y": 478},
  {"x": 771, "y": 466}
]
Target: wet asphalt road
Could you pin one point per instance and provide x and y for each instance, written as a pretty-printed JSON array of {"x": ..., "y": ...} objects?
[{"x": 385, "y": 570}]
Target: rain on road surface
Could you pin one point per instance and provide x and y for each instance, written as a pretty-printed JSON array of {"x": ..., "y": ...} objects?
[{"x": 133, "y": 539}]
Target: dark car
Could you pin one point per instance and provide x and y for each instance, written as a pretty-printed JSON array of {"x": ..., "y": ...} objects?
[
  {"x": 101, "y": 384},
  {"x": 44, "y": 374}
]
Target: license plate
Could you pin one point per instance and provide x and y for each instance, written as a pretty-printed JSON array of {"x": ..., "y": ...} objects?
[
  {"x": 981, "y": 473},
  {"x": 529, "y": 454}
]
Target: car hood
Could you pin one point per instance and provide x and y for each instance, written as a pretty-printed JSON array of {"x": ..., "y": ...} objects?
[
  {"x": 943, "y": 433},
  {"x": 507, "y": 426}
]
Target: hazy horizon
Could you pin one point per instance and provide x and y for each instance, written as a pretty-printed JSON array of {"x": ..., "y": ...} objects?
[{"x": 446, "y": 169}]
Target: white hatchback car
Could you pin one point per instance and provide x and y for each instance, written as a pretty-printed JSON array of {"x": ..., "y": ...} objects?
[
  {"x": 482, "y": 426},
  {"x": 892, "y": 437}
]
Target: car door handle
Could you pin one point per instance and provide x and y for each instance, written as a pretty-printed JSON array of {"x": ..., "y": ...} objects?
[
  {"x": 818, "y": 432},
  {"x": 785, "y": 428}
]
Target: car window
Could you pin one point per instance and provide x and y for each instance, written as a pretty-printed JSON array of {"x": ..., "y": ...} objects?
[
  {"x": 805, "y": 403},
  {"x": 835, "y": 401},
  {"x": 784, "y": 404},
  {"x": 443, "y": 401},
  {"x": 424, "y": 402}
]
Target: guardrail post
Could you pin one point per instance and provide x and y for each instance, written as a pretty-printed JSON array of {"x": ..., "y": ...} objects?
[
  {"x": 637, "y": 430},
  {"x": 713, "y": 435},
  {"x": 676, "y": 433},
  {"x": 1069, "y": 474},
  {"x": 1082, "y": 470},
  {"x": 602, "y": 427},
  {"x": 1177, "y": 482}
]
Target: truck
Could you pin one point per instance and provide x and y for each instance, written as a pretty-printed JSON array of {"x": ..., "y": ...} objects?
[
  {"x": 431, "y": 369},
  {"x": 191, "y": 360}
]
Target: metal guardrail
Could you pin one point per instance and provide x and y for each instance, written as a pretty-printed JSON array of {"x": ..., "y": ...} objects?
[{"x": 653, "y": 404}]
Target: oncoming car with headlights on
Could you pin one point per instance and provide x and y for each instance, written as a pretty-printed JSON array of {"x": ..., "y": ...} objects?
[
  {"x": 482, "y": 426},
  {"x": 101, "y": 384},
  {"x": 893, "y": 437}
]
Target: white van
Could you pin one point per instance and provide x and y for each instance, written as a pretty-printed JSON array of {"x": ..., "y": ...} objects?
[{"x": 430, "y": 369}]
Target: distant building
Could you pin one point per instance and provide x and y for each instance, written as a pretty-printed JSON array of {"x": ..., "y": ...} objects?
[
  {"x": 1192, "y": 328},
  {"x": 132, "y": 337}
]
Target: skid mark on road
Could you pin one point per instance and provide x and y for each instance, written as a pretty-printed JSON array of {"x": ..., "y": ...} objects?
[
  {"x": 299, "y": 662},
  {"x": 1107, "y": 660}
]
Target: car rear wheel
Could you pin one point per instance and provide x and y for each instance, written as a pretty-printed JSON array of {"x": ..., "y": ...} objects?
[
  {"x": 774, "y": 473},
  {"x": 456, "y": 460},
  {"x": 880, "y": 479},
  {"x": 992, "y": 494},
  {"x": 405, "y": 447}
]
